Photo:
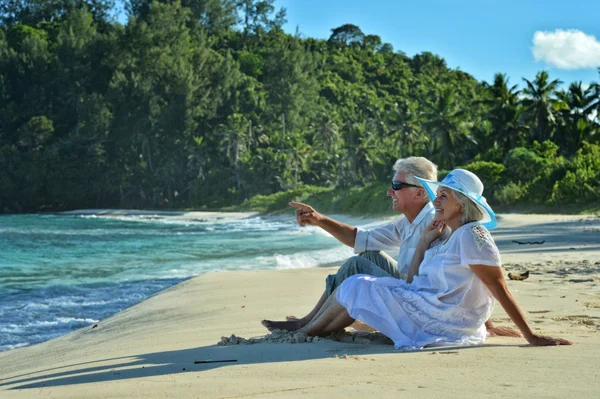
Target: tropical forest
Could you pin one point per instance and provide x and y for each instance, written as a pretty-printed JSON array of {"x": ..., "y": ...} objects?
[{"x": 209, "y": 104}]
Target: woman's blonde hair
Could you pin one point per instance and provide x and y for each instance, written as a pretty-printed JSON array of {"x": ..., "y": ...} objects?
[{"x": 470, "y": 211}]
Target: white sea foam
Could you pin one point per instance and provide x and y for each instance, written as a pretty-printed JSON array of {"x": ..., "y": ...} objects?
[
  {"x": 19, "y": 345},
  {"x": 59, "y": 321},
  {"x": 302, "y": 260}
]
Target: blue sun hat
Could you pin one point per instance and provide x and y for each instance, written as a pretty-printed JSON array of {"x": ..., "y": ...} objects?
[{"x": 466, "y": 183}]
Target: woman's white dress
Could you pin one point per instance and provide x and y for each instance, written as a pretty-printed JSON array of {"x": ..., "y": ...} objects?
[{"x": 446, "y": 304}]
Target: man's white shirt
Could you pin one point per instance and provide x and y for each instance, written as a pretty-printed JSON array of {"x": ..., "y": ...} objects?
[{"x": 397, "y": 235}]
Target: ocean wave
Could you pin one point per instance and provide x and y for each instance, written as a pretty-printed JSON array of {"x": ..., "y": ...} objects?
[
  {"x": 254, "y": 222},
  {"x": 129, "y": 226},
  {"x": 59, "y": 321},
  {"x": 302, "y": 260},
  {"x": 15, "y": 346}
]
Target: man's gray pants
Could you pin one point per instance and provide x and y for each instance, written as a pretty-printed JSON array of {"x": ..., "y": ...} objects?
[{"x": 373, "y": 263}]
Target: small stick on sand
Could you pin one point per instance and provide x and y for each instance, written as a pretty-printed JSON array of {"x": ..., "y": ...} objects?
[
  {"x": 529, "y": 242},
  {"x": 214, "y": 361}
]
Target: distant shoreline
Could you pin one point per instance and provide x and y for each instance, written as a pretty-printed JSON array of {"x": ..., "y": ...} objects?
[{"x": 572, "y": 210}]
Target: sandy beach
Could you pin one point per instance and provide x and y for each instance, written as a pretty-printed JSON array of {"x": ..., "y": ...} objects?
[{"x": 167, "y": 346}]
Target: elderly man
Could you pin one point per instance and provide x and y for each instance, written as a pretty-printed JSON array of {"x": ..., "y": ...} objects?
[{"x": 408, "y": 198}]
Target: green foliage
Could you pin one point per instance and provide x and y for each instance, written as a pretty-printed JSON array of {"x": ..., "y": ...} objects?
[
  {"x": 32, "y": 12},
  {"x": 251, "y": 64},
  {"x": 541, "y": 105},
  {"x": 278, "y": 202},
  {"x": 512, "y": 193},
  {"x": 36, "y": 133},
  {"x": 490, "y": 173},
  {"x": 346, "y": 35},
  {"x": 581, "y": 183},
  {"x": 536, "y": 168},
  {"x": 208, "y": 103},
  {"x": 368, "y": 200},
  {"x": 523, "y": 164}
]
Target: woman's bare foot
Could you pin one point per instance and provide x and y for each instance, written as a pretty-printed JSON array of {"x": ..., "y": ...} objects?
[
  {"x": 289, "y": 325},
  {"x": 357, "y": 325},
  {"x": 362, "y": 327}
]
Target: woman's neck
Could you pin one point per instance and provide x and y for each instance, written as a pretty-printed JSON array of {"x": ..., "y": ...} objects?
[{"x": 454, "y": 224}]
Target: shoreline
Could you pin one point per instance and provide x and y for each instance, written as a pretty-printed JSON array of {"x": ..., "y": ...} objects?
[
  {"x": 212, "y": 215},
  {"x": 149, "y": 349},
  {"x": 530, "y": 210},
  {"x": 562, "y": 232}
]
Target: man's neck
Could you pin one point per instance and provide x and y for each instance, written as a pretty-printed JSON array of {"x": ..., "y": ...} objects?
[{"x": 411, "y": 214}]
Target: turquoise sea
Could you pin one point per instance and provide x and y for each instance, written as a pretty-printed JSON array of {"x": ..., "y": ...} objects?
[{"x": 62, "y": 272}]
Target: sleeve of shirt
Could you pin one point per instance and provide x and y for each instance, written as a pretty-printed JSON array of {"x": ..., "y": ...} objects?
[
  {"x": 380, "y": 238},
  {"x": 477, "y": 247}
]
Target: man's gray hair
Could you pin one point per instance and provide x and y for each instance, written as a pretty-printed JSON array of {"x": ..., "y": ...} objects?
[
  {"x": 416, "y": 166},
  {"x": 470, "y": 211}
]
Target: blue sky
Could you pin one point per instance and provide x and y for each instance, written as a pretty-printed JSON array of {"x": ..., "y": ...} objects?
[{"x": 480, "y": 37}]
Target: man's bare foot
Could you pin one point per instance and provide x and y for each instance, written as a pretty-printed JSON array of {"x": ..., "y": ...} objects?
[
  {"x": 292, "y": 325},
  {"x": 301, "y": 322}
]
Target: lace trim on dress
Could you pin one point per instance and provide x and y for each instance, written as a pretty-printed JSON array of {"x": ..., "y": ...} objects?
[{"x": 482, "y": 236}]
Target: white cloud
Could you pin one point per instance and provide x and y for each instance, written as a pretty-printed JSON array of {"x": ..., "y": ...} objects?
[{"x": 567, "y": 49}]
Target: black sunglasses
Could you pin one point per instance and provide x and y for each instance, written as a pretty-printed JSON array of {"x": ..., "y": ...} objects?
[{"x": 399, "y": 185}]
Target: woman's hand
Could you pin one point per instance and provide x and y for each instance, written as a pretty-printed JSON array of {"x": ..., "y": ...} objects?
[
  {"x": 504, "y": 332},
  {"x": 541, "y": 340},
  {"x": 493, "y": 278},
  {"x": 433, "y": 231},
  {"x": 430, "y": 233}
]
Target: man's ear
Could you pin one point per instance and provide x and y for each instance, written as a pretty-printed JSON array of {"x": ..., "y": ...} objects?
[{"x": 422, "y": 194}]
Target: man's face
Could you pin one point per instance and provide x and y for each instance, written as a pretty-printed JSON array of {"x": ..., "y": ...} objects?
[{"x": 403, "y": 197}]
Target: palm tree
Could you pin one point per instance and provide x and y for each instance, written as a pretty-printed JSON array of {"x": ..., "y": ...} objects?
[
  {"x": 293, "y": 160},
  {"x": 576, "y": 116},
  {"x": 361, "y": 148},
  {"x": 403, "y": 131},
  {"x": 446, "y": 123},
  {"x": 595, "y": 105},
  {"x": 505, "y": 113},
  {"x": 327, "y": 132},
  {"x": 236, "y": 140},
  {"x": 540, "y": 104}
]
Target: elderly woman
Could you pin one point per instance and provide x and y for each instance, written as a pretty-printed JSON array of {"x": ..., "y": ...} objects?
[{"x": 449, "y": 292}]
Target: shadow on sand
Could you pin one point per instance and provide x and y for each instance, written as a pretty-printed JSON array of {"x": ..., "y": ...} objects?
[{"x": 182, "y": 361}]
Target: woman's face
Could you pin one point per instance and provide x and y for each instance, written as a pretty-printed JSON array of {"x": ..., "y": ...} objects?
[{"x": 447, "y": 208}]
